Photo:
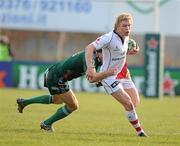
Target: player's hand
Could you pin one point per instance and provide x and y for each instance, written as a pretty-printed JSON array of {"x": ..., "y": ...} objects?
[
  {"x": 98, "y": 84},
  {"x": 92, "y": 76},
  {"x": 133, "y": 51},
  {"x": 111, "y": 71}
]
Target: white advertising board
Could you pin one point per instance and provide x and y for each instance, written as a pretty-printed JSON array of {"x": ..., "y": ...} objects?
[{"x": 88, "y": 15}]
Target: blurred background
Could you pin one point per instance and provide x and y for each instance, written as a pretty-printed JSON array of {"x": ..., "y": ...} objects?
[{"x": 41, "y": 32}]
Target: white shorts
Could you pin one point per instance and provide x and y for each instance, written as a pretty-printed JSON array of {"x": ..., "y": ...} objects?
[
  {"x": 111, "y": 84},
  {"x": 127, "y": 83}
]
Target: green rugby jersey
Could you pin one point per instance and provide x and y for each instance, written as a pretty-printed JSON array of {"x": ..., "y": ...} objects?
[{"x": 70, "y": 68}]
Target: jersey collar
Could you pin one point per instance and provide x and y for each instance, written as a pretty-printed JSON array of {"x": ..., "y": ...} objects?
[{"x": 119, "y": 36}]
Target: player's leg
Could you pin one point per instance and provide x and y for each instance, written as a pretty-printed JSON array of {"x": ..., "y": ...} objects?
[
  {"x": 122, "y": 97},
  {"x": 71, "y": 104},
  {"x": 114, "y": 88},
  {"x": 54, "y": 88},
  {"x": 131, "y": 89},
  {"x": 43, "y": 99},
  {"x": 132, "y": 92}
]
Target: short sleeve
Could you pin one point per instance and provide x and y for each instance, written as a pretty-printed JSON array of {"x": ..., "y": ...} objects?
[{"x": 102, "y": 41}]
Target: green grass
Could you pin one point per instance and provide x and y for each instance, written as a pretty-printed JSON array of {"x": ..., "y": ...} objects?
[{"x": 99, "y": 121}]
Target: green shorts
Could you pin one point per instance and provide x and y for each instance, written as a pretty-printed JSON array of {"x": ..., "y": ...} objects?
[{"x": 54, "y": 83}]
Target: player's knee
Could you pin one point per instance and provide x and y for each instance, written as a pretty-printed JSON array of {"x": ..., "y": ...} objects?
[
  {"x": 129, "y": 105},
  {"x": 137, "y": 102},
  {"x": 73, "y": 106}
]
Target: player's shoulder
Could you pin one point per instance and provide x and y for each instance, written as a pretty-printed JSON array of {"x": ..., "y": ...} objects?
[
  {"x": 103, "y": 40},
  {"x": 107, "y": 37}
]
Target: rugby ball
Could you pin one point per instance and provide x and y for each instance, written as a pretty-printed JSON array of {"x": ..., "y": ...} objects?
[{"x": 131, "y": 44}]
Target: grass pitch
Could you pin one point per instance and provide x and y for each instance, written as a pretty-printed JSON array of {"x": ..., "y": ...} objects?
[{"x": 99, "y": 121}]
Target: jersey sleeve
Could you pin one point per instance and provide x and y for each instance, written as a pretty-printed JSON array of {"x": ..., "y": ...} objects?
[{"x": 102, "y": 41}]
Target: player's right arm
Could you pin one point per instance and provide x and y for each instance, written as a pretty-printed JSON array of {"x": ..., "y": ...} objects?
[
  {"x": 89, "y": 62},
  {"x": 98, "y": 44}
]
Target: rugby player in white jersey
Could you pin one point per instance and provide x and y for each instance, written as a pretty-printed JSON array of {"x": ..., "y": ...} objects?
[{"x": 114, "y": 47}]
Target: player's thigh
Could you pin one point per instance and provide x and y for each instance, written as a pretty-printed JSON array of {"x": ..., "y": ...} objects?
[
  {"x": 133, "y": 93},
  {"x": 111, "y": 84},
  {"x": 115, "y": 88},
  {"x": 127, "y": 83},
  {"x": 121, "y": 96},
  {"x": 69, "y": 99},
  {"x": 131, "y": 89},
  {"x": 56, "y": 99}
]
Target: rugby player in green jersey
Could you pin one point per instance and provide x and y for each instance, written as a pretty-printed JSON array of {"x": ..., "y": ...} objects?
[{"x": 56, "y": 80}]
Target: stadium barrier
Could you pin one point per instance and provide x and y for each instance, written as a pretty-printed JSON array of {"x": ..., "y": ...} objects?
[{"x": 29, "y": 75}]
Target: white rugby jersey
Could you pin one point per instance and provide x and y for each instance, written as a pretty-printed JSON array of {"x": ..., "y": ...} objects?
[{"x": 114, "y": 50}]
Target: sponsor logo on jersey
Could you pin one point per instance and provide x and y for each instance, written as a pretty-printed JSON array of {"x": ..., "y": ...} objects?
[
  {"x": 123, "y": 53},
  {"x": 119, "y": 58},
  {"x": 116, "y": 48},
  {"x": 115, "y": 59}
]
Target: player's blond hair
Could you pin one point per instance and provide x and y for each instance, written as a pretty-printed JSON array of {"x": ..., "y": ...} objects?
[{"x": 122, "y": 17}]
